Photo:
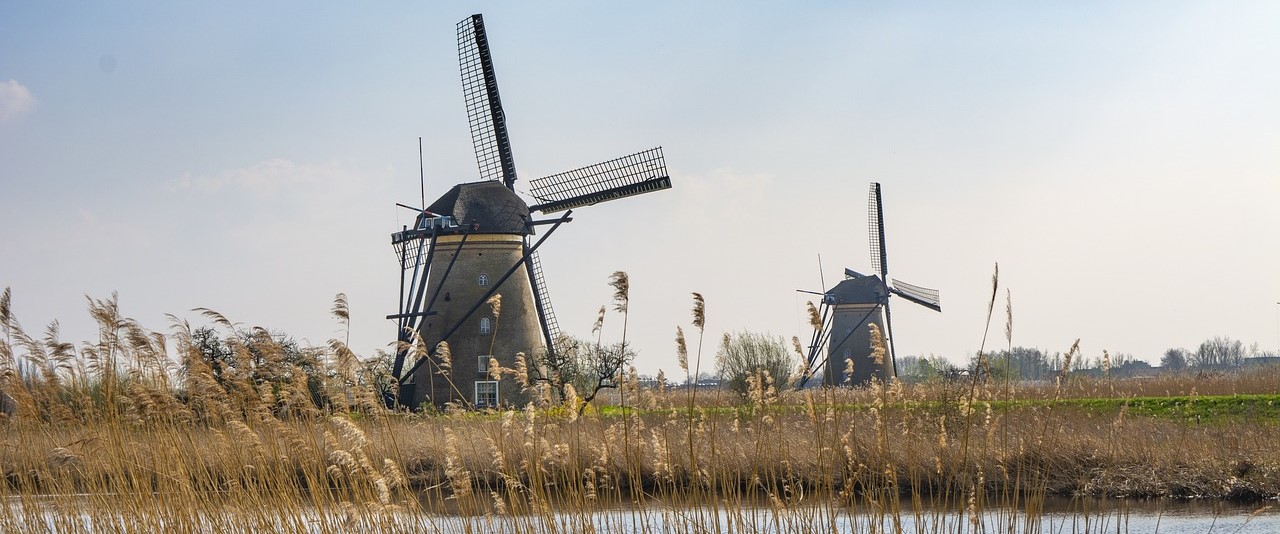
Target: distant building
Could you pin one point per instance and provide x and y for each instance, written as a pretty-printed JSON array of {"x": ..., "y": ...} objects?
[{"x": 1260, "y": 361}]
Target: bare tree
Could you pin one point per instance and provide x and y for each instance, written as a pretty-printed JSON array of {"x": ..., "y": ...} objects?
[
  {"x": 556, "y": 367},
  {"x": 1219, "y": 352},
  {"x": 600, "y": 368}
]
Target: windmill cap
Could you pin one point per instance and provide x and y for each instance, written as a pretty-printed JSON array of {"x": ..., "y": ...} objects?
[
  {"x": 864, "y": 290},
  {"x": 489, "y": 205}
]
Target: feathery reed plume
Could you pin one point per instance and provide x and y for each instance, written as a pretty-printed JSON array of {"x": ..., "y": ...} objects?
[
  {"x": 418, "y": 344},
  {"x": 621, "y": 290},
  {"x": 446, "y": 358},
  {"x": 494, "y": 371},
  {"x": 495, "y": 305},
  {"x": 595, "y": 329},
  {"x": 942, "y": 442},
  {"x": 877, "y": 344},
  {"x": 499, "y": 505},
  {"x": 522, "y": 371},
  {"x": 699, "y": 311},
  {"x": 340, "y": 309},
  {"x": 815, "y": 318},
  {"x": 1066, "y": 359},
  {"x": 572, "y": 402},
  {"x": 801, "y": 372},
  {"x": 682, "y": 350},
  {"x": 991, "y": 306},
  {"x": 60, "y": 353},
  {"x": 621, "y": 284},
  {"x": 107, "y": 314},
  {"x": 458, "y": 475},
  {"x": 755, "y": 386},
  {"x": 6, "y": 352},
  {"x": 699, "y": 321},
  {"x": 1008, "y": 317},
  {"x": 342, "y": 312},
  {"x": 5, "y": 309},
  {"x": 214, "y": 316}
]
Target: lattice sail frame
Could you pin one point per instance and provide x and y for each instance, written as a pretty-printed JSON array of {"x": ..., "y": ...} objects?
[
  {"x": 929, "y": 298},
  {"x": 484, "y": 106},
  {"x": 634, "y": 174},
  {"x": 408, "y": 248},
  {"x": 875, "y": 224}
]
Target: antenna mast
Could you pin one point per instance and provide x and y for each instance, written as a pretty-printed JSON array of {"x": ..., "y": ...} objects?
[
  {"x": 422, "y": 180},
  {"x": 821, "y": 277}
]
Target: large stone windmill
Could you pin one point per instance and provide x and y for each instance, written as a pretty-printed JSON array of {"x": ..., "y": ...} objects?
[
  {"x": 855, "y": 302},
  {"x": 474, "y": 242}
]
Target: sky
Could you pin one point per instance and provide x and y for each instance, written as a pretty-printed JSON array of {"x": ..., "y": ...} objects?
[{"x": 1119, "y": 160}]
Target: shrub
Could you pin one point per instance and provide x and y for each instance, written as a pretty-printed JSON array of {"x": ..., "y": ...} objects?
[{"x": 741, "y": 354}]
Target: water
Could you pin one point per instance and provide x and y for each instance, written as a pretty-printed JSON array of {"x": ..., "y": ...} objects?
[{"x": 1058, "y": 516}]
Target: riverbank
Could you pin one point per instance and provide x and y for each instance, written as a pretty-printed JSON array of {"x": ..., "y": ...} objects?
[
  {"x": 1148, "y": 447},
  {"x": 867, "y": 456}
]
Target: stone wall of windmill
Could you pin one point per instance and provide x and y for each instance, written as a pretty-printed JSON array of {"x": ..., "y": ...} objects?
[
  {"x": 482, "y": 262},
  {"x": 858, "y": 303}
]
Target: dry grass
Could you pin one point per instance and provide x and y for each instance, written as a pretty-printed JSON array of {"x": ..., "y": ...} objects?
[{"x": 114, "y": 437}]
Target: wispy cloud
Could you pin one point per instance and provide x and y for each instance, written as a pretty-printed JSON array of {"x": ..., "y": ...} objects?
[
  {"x": 269, "y": 178},
  {"x": 15, "y": 99}
]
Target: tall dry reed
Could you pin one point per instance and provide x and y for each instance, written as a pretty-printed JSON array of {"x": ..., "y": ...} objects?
[{"x": 192, "y": 446}]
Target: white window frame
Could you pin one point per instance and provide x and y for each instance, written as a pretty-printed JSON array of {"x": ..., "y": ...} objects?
[
  {"x": 482, "y": 280},
  {"x": 482, "y": 365},
  {"x": 476, "y": 394},
  {"x": 486, "y": 326}
]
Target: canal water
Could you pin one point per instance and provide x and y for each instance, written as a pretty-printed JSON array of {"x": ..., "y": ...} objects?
[{"x": 1057, "y": 516}]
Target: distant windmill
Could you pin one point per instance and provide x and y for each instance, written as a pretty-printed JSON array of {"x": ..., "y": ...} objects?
[
  {"x": 474, "y": 242},
  {"x": 859, "y": 299}
]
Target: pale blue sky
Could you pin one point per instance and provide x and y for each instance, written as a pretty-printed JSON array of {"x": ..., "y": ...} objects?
[{"x": 1121, "y": 161}]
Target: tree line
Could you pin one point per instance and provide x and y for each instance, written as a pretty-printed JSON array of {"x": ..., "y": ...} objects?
[{"x": 1218, "y": 353}]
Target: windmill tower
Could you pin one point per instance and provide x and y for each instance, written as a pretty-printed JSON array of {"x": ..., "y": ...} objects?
[
  {"x": 476, "y": 241},
  {"x": 859, "y": 300}
]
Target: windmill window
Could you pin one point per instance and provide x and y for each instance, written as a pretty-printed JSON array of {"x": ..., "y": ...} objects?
[
  {"x": 486, "y": 326},
  {"x": 486, "y": 395},
  {"x": 482, "y": 280},
  {"x": 482, "y": 365}
]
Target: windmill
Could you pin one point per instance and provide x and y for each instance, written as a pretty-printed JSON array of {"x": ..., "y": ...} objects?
[
  {"x": 859, "y": 299},
  {"x": 474, "y": 242}
]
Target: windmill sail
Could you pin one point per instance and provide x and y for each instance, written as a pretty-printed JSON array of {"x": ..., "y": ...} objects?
[
  {"x": 408, "y": 248},
  {"x": 484, "y": 108},
  {"x": 635, "y": 174},
  {"x": 542, "y": 300},
  {"x": 888, "y": 328},
  {"x": 875, "y": 223},
  {"x": 923, "y": 296}
]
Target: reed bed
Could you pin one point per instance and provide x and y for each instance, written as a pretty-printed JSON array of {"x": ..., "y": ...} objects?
[{"x": 121, "y": 436}]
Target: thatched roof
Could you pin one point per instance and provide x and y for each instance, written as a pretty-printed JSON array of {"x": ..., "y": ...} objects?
[{"x": 488, "y": 204}]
